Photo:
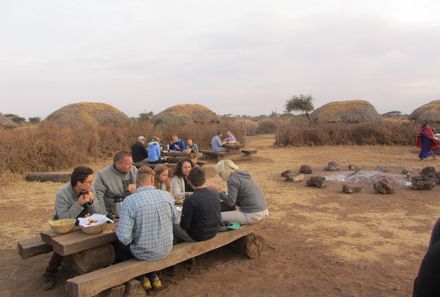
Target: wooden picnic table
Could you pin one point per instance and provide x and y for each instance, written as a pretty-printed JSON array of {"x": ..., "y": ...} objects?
[
  {"x": 180, "y": 154},
  {"x": 76, "y": 240},
  {"x": 94, "y": 255}
]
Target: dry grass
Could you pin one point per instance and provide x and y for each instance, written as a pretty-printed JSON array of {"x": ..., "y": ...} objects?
[
  {"x": 383, "y": 133},
  {"x": 349, "y": 111}
]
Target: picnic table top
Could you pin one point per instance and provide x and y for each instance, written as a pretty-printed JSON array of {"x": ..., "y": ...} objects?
[
  {"x": 233, "y": 145},
  {"x": 76, "y": 241},
  {"x": 179, "y": 154}
]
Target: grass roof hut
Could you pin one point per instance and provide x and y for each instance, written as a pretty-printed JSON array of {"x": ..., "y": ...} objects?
[
  {"x": 7, "y": 123},
  {"x": 429, "y": 112},
  {"x": 88, "y": 113},
  {"x": 348, "y": 111},
  {"x": 185, "y": 113}
]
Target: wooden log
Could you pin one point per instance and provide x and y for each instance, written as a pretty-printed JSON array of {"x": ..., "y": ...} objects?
[
  {"x": 134, "y": 288},
  {"x": 32, "y": 247},
  {"x": 91, "y": 259},
  {"x": 74, "y": 242},
  {"x": 60, "y": 177},
  {"x": 92, "y": 283},
  {"x": 117, "y": 291},
  {"x": 251, "y": 245},
  {"x": 249, "y": 151}
]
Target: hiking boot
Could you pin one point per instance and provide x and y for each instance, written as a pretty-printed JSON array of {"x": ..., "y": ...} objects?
[
  {"x": 157, "y": 284},
  {"x": 146, "y": 284},
  {"x": 48, "y": 281}
]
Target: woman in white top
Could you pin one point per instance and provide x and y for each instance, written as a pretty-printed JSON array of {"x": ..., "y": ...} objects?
[
  {"x": 162, "y": 178},
  {"x": 179, "y": 183}
]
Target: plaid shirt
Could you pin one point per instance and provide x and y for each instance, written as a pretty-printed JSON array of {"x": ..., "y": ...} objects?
[{"x": 146, "y": 223}]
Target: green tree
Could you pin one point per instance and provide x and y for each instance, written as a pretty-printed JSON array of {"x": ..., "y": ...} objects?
[
  {"x": 300, "y": 103},
  {"x": 34, "y": 120},
  {"x": 146, "y": 116}
]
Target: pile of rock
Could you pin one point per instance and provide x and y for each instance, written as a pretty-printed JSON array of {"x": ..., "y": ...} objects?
[
  {"x": 316, "y": 181},
  {"x": 427, "y": 179},
  {"x": 332, "y": 166},
  {"x": 384, "y": 186}
]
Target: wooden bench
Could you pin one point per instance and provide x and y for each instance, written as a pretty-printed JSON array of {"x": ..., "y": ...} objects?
[
  {"x": 219, "y": 155},
  {"x": 248, "y": 153},
  {"x": 33, "y": 247},
  {"x": 60, "y": 177},
  {"x": 94, "y": 282},
  {"x": 245, "y": 154}
]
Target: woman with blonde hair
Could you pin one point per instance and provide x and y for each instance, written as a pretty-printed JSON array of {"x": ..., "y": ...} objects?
[
  {"x": 162, "y": 178},
  {"x": 242, "y": 192}
]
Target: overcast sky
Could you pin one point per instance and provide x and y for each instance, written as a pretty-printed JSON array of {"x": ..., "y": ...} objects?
[{"x": 239, "y": 57}]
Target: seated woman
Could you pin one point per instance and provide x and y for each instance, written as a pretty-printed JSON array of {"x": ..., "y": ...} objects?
[
  {"x": 161, "y": 178},
  {"x": 180, "y": 186},
  {"x": 243, "y": 192},
  {"x": 230, "y": 138}
]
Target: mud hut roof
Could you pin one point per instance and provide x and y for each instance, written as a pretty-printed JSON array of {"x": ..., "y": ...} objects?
[
  {"x": 349, "y": 111},
  {"x": 6, "y": 123},
  {"x": 89, "y": 113},
  {"x": 429, "y": 112},
  {"x": 186, "y": 113}
]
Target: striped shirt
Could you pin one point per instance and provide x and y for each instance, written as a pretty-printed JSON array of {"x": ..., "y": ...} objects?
[{"x": 146, "y": 223}]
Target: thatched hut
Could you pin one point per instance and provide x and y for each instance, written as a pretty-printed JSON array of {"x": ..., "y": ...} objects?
[
  {"x": 88, "y": 113},
  {"x": 184, "y": 114},
  {"x": 429, "y": 112},
  {"x": 6, "y": 123},
  {"x": 349, "y": 111}
]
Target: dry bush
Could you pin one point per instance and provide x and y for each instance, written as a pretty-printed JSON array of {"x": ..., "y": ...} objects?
[{"x": 387, "y": 133}]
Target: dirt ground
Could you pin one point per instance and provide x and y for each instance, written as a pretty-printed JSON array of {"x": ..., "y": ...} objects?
[{"x": 320, "y": 242}]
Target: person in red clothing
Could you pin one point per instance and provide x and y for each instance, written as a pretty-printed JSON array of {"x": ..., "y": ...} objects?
[{"x": 427, "y": 141}]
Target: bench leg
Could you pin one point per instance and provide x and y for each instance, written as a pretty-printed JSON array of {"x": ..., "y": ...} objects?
[{"x": 251, "y": 245}]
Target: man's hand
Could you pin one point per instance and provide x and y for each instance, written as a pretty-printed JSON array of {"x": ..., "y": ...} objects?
[
  {"x": 86, "y": 197},
  {"x": 131, "y": 188}
]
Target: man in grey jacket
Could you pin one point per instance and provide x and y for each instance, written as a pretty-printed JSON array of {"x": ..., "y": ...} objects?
[
  {"x": 116, "y": 180},
  {"x": 74, "y": 200}
]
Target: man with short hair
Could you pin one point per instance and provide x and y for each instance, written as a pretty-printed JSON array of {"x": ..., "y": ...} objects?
[
  {"x": 138, "y": 150},
  {"x": 216, "y": 143},
  {"x": 177, "y": 144},
  {"x": 154, "y": 151},
  {"x": 191, "y": 145},
  {"x": 74, "y": 200},
  {"x": 145, "y": 228},
  {"x": 201, "y": 215},
  {"x": 116, "y": 180}
]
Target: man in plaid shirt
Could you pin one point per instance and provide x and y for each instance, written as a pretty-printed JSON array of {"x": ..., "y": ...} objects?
[{"x": 145, "y": 228}]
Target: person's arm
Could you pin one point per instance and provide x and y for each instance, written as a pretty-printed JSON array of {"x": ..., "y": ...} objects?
[
  {"x": 230, "y": 198},
  {"x": 157, "y": 148},
  {"x": 196, "y": 148},
  {"x": 95, "y": 207},
  {"x": 64, "y": 207},
  {"x": 187, "y": 213},
  {"x": 182, "y": 145},
  {"x": 176, "y": 187},
  {"x": 100, "y": 190},
  {"x": 125, "y": 226}
]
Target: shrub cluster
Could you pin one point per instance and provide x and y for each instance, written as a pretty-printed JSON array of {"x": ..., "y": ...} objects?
[
  {"x": 49, "y": 147},
  {"x": 380, "y": 133}
]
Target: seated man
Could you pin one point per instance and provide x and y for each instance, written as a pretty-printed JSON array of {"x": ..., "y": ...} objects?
[
  {"x": 154, "y": 151},
  {"x": 138, "y": 150},
  {"x": 230, "y": 139},
  {"x": 191, "y": 145},
  {"x": 145, "y": 229},
  {"x": 115, "y": 181},
  {"x": 201, "y": 216},
  {"x": 74, "y": 200},
  {"x": 177, "y": 144},
  {"x": 216, "y": 143}
]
